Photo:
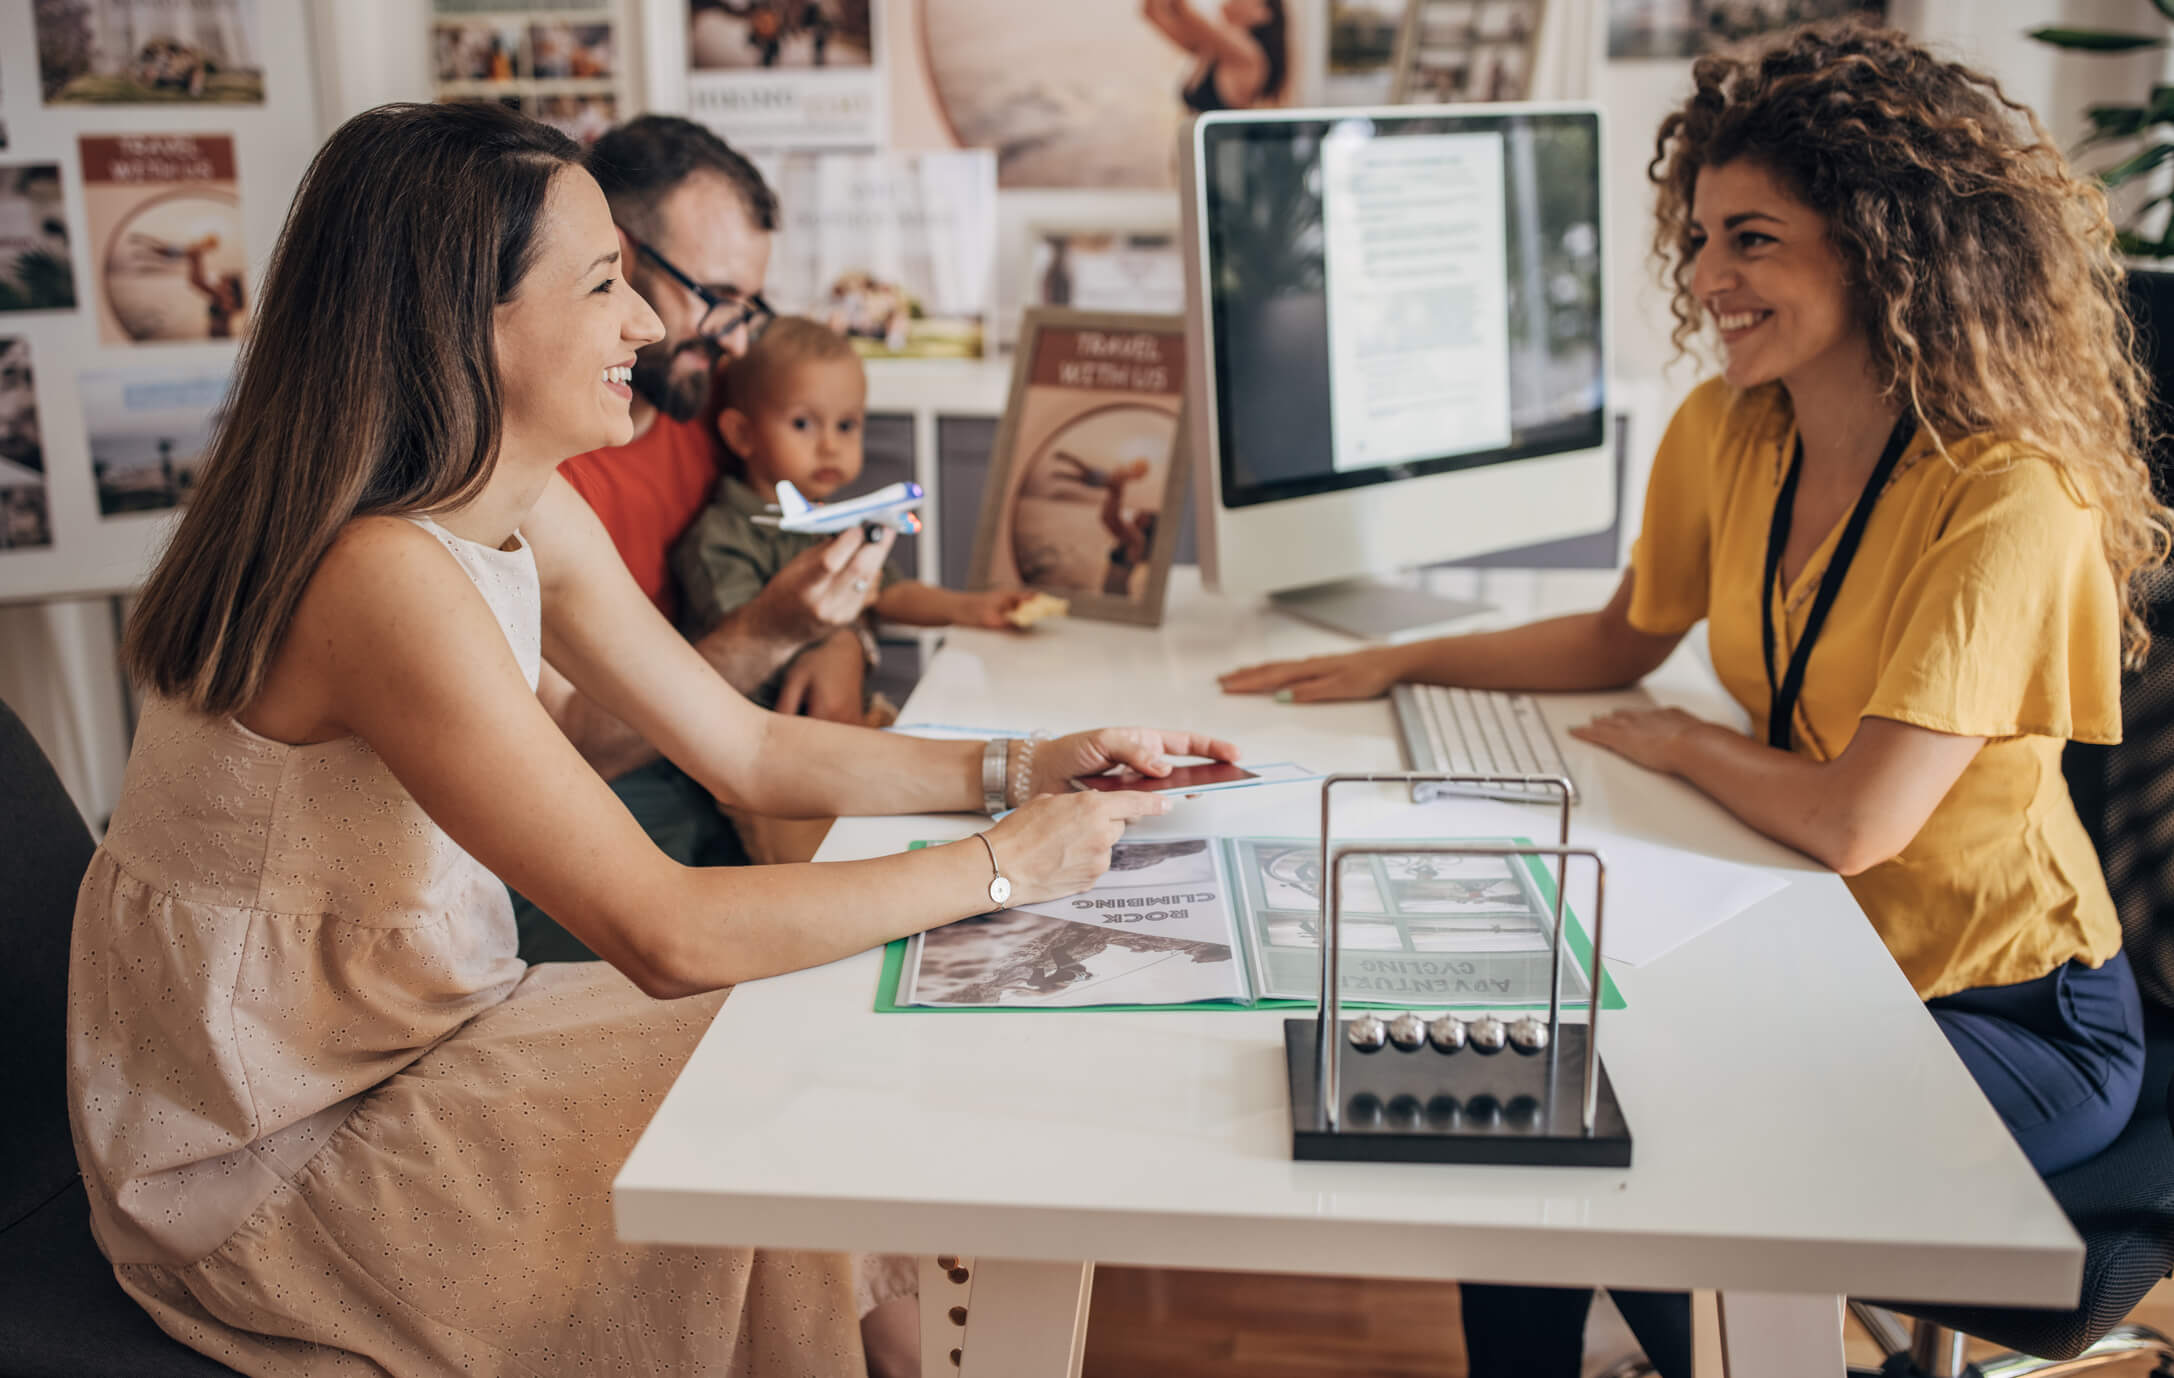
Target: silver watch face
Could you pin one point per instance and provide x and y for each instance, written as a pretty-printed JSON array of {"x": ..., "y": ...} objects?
[{"x": 1000, "y": 891}]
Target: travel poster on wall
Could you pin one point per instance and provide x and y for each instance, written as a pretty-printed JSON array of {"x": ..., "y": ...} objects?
[
  {"x": 786, "y": 73},
  {"x": 1089, "y": 93},
  {"x": 149, "y": 433},
  {"x": 127, "y": 52},
  {"x": 893, "y": 251},
  {"x": 36, "y": 272},
  {"x": 166, "y": 251},
  {"x": 25, "y": 520}
]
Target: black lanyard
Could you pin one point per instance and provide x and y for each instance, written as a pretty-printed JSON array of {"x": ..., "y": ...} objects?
[{"x": 1782, "y": 697}]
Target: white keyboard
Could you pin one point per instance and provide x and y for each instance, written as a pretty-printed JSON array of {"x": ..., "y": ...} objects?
[{"x": 1476, "y": 732}]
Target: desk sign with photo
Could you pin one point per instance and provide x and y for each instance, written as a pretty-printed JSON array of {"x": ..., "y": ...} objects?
[{"x": 1086, "y": 480}]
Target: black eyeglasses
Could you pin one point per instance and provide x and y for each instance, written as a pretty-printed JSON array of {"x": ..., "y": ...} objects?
[{"x": 722, "y": 315}]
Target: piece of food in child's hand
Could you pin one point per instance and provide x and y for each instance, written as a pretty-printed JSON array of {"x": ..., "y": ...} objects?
[{"x": 1036, "y": 607}]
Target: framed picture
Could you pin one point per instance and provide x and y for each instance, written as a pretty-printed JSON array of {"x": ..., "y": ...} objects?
[
  {"x": 1677, "y": 29},
  {"x": 1086, "y": 481},
  {"x": 1466, "y": 50}
]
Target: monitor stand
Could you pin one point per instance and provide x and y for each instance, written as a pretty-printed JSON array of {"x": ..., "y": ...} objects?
[{"x": 1372, "y": 610}]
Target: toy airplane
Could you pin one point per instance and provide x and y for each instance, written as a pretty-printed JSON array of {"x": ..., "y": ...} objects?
[{"x": 893, "y": 507}]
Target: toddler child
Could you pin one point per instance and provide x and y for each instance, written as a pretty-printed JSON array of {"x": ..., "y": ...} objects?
[{"x": 792, "y": 409}]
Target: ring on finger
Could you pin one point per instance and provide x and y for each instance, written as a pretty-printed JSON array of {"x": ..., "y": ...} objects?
[{"x": 860, "y": 586}]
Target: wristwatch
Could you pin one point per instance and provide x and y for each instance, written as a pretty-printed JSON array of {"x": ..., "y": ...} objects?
[
  {"x": 995, "y": 763},
  {"x": 1000, "y": 889}
]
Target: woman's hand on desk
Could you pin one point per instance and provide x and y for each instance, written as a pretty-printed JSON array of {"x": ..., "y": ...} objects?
[
  {"x": 1651, "y": 737},
  {"x": 1059, "y": 844},
  {"x": 1363, "y": 674},
  {"x": 1057, "y": 763}
]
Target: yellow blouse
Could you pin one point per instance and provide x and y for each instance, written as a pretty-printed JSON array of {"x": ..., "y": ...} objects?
[{"x": 1979, "y": 604}]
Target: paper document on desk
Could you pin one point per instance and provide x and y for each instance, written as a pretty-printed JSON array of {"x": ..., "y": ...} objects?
[
  {"x": 1660, "y": 897},
  {"x": 1156, "y": 930}
]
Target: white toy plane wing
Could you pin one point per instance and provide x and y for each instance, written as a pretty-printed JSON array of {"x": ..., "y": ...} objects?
[{"x": 895, "y": 507}]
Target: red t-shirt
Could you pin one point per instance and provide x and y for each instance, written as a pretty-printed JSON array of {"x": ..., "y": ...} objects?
[{"x": 646, "y": 493}]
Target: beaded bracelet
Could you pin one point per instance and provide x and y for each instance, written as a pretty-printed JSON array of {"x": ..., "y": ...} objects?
[{"x": 1022, "y": 768}]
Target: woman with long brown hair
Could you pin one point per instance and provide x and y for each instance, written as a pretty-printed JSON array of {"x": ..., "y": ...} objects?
[
  {"x": 328, "y": 1120},
  {"x": 1915, "y": 513}
]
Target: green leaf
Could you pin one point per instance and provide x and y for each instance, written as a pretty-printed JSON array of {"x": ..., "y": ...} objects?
[
  {"x": 2133, "y": 167},
  {"x": 2116, "y": 121},
  {"x": 2096, "y": 40},
  {"x": 2136, "y": 246}
]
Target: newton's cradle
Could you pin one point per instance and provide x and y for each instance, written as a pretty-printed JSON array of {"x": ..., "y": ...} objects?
[{"x": 1450, "y": 1089}]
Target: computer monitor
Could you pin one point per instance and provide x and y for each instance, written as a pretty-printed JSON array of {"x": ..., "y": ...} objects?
[{"x": 1397, "y": 345}]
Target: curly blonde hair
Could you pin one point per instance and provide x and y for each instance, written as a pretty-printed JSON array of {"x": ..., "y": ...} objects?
[{"x": 1983, "y": 269}]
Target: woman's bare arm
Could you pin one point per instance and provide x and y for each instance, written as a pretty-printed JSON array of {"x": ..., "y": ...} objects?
[
  {"x": 1850, "y": 813},
  {"x": 409, "y": 658}
]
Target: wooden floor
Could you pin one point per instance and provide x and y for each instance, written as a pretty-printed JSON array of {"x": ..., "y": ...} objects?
[{"x": 1152, "y": 1323}]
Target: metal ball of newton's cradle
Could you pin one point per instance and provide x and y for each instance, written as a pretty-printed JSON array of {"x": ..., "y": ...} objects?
[
  {"x": 1488, "y": 1034},
  {"x": 1529, "y": 1035},
  {"x": 1367, "y": 1033},
  {"x": 1408, "y": 1032},
  {"x": 1446, "y": 1033}
]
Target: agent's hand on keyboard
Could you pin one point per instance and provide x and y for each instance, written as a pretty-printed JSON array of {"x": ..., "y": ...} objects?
[
  {"x": 1652, "y": 737},
  {"x": 1363, "y": 674}
]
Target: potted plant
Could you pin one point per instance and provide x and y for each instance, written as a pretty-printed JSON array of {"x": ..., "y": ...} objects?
[{"x": 2151, "y": 256}]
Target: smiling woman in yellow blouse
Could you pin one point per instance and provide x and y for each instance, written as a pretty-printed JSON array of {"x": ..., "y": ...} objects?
[{"x": 1913, "y": 511}]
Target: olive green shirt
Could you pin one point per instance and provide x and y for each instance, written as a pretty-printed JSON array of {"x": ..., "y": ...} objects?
[{"x": 725, "y": 557}]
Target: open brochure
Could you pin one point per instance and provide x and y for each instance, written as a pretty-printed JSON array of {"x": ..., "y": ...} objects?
[{"x": 1235, "y": 922}]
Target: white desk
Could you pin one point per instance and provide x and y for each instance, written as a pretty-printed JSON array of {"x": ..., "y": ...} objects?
[{"x": 1802, "y": 1129}]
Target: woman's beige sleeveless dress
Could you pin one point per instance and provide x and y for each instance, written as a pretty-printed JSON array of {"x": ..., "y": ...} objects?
[{"x": 331, "y": 1124}]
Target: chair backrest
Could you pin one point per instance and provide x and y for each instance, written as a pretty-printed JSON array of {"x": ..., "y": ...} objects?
[
  {"x": 44, "y": 848},
  {"x": 2125, "y": 796}
]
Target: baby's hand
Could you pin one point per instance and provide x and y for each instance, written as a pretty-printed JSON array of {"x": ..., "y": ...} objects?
[{"x": 993, "y": 608}]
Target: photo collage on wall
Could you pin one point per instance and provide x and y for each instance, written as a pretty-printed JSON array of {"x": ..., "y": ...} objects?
[
  {"x": 161, "y": 257},
  {"x": 557, "y": 63}
]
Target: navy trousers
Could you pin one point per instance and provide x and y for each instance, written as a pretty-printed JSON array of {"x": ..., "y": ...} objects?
[{"x": 2061, "y": 1058}]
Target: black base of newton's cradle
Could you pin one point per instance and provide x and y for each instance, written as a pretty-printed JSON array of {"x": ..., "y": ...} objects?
[{"x": 1463, "y": 1107}]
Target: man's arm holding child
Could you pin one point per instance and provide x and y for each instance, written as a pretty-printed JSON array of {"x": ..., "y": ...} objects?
[
  {"x": 828, "y": 680},
  {"x": 813, "y": 595}
]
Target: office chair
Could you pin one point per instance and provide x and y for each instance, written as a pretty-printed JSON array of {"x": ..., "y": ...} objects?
[
  {"x": 2122, "y": 1201},
  {"x": 62, "y": 1314}
]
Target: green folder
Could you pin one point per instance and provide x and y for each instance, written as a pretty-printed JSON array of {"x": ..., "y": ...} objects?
[{"x": 1251, "y": 959}]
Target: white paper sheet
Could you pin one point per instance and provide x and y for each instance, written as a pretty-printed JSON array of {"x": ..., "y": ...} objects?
[{"x": 1660, "y": 898}]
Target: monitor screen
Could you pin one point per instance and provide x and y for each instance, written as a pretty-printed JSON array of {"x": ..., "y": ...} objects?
[{"x": 1393, "y": 295}]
